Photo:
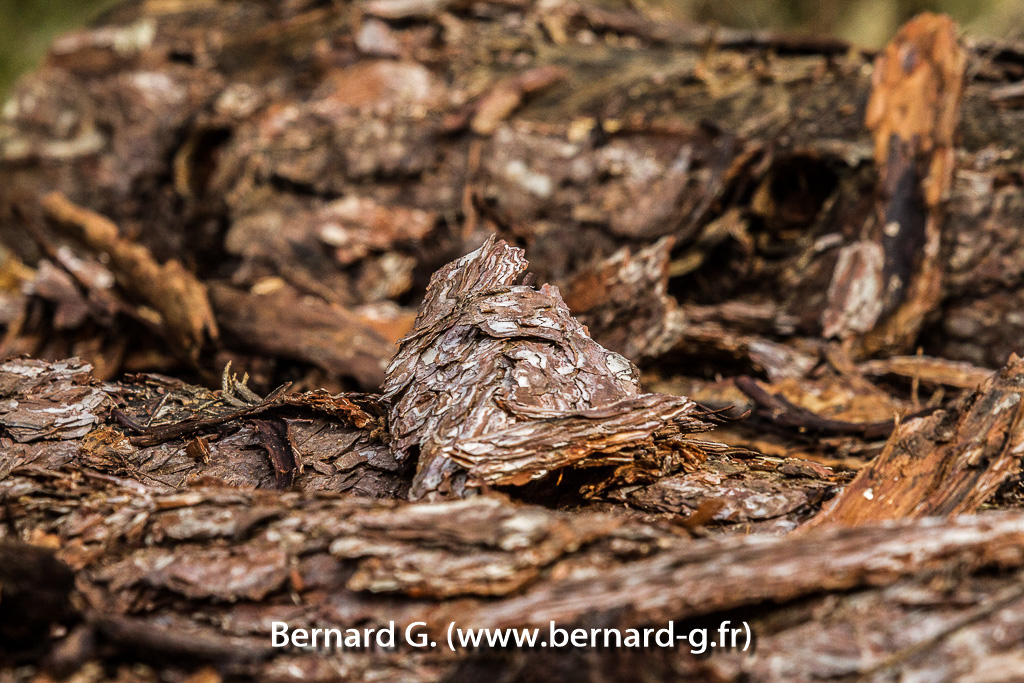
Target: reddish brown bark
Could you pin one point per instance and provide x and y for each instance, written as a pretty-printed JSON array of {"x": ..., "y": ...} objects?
[{"x": 823, "y": 240}]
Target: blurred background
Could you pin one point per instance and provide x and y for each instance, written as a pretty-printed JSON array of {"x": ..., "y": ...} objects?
[{"x": 28, "y": 26}]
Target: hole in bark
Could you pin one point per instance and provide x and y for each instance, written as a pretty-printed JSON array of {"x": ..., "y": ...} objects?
[
  {"x": 204, "y": 158},
  {"x": 797, "y": 187},
  {"x": 561, "y": 489},
  {"x": 181, "y": 57},
  {"x": 716, "y": 279}
]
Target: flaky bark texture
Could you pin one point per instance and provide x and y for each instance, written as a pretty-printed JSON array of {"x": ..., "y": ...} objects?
[
  {"x": 198, "y": 575},
  {"x": 315, "y": 164},
  {"x": 944, "y": 464},
  {"x": 267, "y": 194},
  {"x": 500, "y": 379}
]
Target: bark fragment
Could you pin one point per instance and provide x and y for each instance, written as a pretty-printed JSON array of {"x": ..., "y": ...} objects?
[
  {"x": 508, "y": 95},
  {"x": 936, "y": 371},
  {"x": 169, "y": 288},
  {"x": 885, "y": 285},
  {"x": 499, "y": 379},
  {"x": 154, "y": 568},
  {"x": 281, "y": 322},
  {"x": 624, "y": 302},
  {"x": 945, "y": 464},
  {"x": 327, "y": 161},
  {"x": 48, "y": 401}
]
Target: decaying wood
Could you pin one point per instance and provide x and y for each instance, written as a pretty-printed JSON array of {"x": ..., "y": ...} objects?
[
  {"x": 329, "y": 336},
  {"x": 624, "y": 302},
  {"x": 814, "y": 249},
  {"x": 885, "y": 284},
  {"x": 934, "y": 371},
  {"x": 329, "y": 166},
  {"x": 140, "y": 554},
  {"x": 174, "y": 292},
  {"x": 945, "y": 464}
]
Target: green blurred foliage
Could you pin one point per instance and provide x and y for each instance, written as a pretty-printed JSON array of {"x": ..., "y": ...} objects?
[{"x": 28, "y": 26}]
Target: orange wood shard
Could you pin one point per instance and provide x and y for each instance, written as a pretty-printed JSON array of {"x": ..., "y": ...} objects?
[
  {"x": 886, "y": 283},
  {"x": 915, "y": 99}
]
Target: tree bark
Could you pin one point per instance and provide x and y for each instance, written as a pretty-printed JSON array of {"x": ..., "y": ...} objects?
[{"x": 808, "y": 249}]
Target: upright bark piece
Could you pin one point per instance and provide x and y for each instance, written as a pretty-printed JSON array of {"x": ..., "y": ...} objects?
[
  {"x": 499, "y": 380},
  {"x": 885, "y": 285}
]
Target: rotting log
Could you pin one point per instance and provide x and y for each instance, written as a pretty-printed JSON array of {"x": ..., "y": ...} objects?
[
  {"x": 179, "y": 580},
  {"x": 344, "y": 153},
  {"x": 764, "y": 225}
]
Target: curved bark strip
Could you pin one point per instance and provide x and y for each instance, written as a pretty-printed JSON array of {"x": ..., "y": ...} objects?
[{"x": 329, "y": 336}]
